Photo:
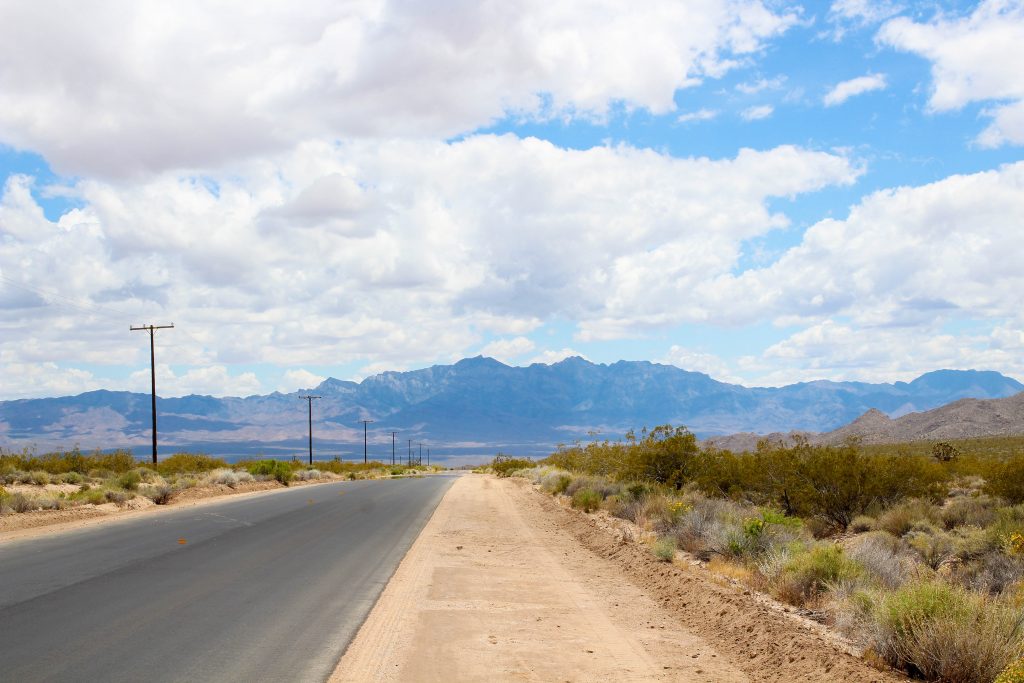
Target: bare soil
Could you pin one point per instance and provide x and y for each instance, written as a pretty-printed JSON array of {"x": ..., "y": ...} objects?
[{"x": 506, "y": 584}]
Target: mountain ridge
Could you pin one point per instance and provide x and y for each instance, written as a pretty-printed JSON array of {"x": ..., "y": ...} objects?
[{"x": 478, "y": 402}]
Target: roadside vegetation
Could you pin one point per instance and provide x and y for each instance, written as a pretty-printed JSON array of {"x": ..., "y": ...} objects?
[
  {"x": 915, "y": 552},
  {"x": 67, "y": 479}
]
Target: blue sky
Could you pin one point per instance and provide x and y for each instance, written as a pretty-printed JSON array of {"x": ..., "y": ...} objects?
[{"x": 767, "y": 192}]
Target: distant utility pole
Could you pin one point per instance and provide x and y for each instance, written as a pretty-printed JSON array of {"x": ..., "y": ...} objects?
[
  {"x": 393, "y": 448},
  {"x": 309, "y": 400},
  {"x": 152, "y": 369},
  {"x": 420, "y": 460},
  {"x": 409, "y": 461},
  {"x": 428, "y": 457},
  {"x": 365, "y": 422}
]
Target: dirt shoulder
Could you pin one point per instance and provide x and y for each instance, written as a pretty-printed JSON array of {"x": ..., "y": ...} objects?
[
  {"x": 505, "y": 584},
  {"x": 39, "y": 522}
]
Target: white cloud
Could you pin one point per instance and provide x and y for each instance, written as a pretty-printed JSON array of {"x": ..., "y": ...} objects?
[
  {"x": 975, "y": 58},
  {"x": 754, "y": 87},
  {"x": 549, "y": 356},
  {"x": 434, "y": 248},
  {"x": 845, "y": 15},
  {"x": 212, "y": 380},
  {"x": 758, "y": 112},
  {"x": 150, "y": 86},
  {"x": 855, "y": 86},
  {"x": 699, "y": 115},
  {"x": 699, "y": 361},
  {"x": 296, "y": 380},
  {"x": 508, "y": 350}
]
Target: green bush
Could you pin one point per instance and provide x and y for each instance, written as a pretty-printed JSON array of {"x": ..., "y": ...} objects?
[
  {"x": 129, "y": 481},
  {"x": 942, "y": 632},
  {"x": 587, "y": 500},
  {"x": 505, "y": 465},
  {"x": 902, "y": 517},
  {"x": 161, "y": 495},
  {"x": 277, "y": 469},
  {"x": 40, "y": 477},
  {"x": 665, "y": 549},
  {"x": 806, "y": 575},
  {"x": 180, "y": 463}
]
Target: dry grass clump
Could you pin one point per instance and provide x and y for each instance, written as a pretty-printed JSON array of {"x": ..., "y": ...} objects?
[
  {"x": 308, "y": 475},
  {"x": 884, "y": 558},
  {"x": 808, "y": 574},
  {"x": 901, "y": 518},
  {"x": 664, "y": 548},
  {"x": 946, "y": 633},
  {"x": 587, "y": 500}
]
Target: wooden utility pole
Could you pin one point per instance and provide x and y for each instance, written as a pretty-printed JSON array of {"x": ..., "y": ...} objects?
[
  {"x": 152, "y": 369},
  {"x": 309, "y": 400}
]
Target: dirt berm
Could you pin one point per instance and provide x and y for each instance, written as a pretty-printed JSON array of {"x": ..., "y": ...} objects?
[{"x": 506, "y": 584}]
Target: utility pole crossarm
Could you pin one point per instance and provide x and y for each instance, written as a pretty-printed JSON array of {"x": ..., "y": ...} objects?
[{"x": 152, "y": 368}]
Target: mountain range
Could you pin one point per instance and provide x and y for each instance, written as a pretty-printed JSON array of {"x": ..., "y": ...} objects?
[{"x": 474, "y": 407}]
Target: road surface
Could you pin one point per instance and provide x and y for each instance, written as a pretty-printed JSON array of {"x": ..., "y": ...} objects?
[{"x": 265, "y": 588}]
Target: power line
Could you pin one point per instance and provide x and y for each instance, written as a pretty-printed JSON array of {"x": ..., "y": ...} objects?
[
  {"x": 309, "y": 400},
  {"x": 152, "y": 369}
]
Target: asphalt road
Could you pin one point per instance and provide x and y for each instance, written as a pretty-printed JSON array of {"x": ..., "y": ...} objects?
[{"x": 266, "y": 588}]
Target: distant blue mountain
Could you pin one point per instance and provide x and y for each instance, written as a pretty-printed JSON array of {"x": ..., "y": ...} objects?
[{"x": 478, "y": 405}]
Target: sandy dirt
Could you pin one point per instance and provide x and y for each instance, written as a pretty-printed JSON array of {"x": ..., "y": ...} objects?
[{"x": 505, "y": 584}]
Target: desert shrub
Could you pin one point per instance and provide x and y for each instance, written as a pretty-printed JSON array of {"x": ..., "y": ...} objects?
[
  {"x": 587, "y": 500},
  {"x": 666, "y": 455},
  {"x": 129, "y": 481},
  {"x": 307, "y": 475},
  {"x": 189, "y": 462},
  {"x": 806, "y": 575},
  {"x": 71, "y": 478},
  {"x": 505, "y": 465},
  {"x": 883, "y": 558},
  {"x": 118, "y": 497},
  {"x": 664, "y": 549},
  {"x": 862, "y": 523},
  {"x": 223, "y": 477},
  {"x": 979, "y": 511},
  {"x": 943, "y": 632},
  {"x": 902, "y": 517},
  {"x": 39, "y": 477},
  {"x": 1006, "y": 478},
  {"x": 160, "y": 494},
  {"x": 555, "y": 482},
  {"x": 275, "y": 469},
  {"x": 19, "y": 502},
  {"x": 993, "y": 572}
]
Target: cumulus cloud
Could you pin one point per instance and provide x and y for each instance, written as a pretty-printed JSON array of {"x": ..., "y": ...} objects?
[
  {"x": 550, "y": 356},
  {"x": 758, "y": 112},
  {"x": 974, "y": 58},
  {"x": 296, "y": 380},
  {"x": 845, "y": 15},
  {"x": 855, "y": 86},
  {"x": 147, "y": 86},
  {"x": 508, "y": 350},
  {"x": 700, "y": 361}
]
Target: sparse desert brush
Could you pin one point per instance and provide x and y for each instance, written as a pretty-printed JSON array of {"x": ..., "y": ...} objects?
[
  {"x": 664, "y": 548},
  {"x": 901, "y": 518},
  {"x": 862, "y": 523},
  {"x": 70, "y": 478},
  {"x": 40, "y": 477},
  {"x": 276, "y": 469},
  {"x": 885, "y": 559},
  {"x": 223, "y": 477},
  {"x": 946, "y": 633},
  {"x": 807, "y": 575},
  {"x": 160, "y": 494},
  {"x": 504, "y": 465},
  {"x": 129, "y": 481},
  {"x": 307, "y": 475},
  {"x": 189, "y": 462},
  {"x": 556, "y": 482},
  {"x": 118, "y": 497},
  {"x": 979, "y": 511},
  {"x": 587, "y": 500}
]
